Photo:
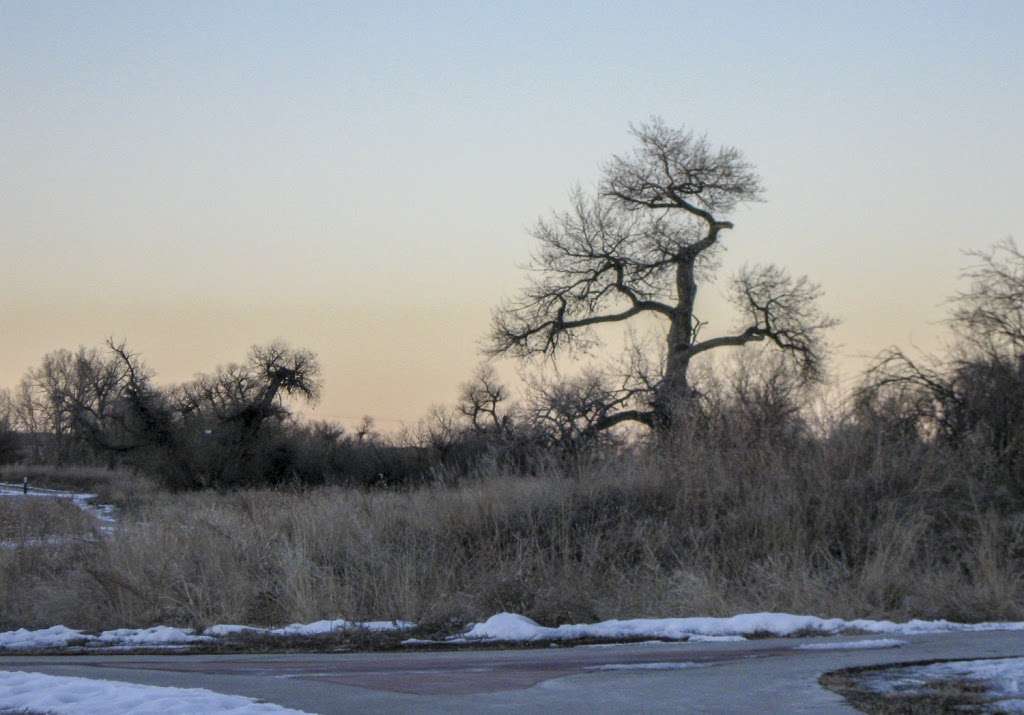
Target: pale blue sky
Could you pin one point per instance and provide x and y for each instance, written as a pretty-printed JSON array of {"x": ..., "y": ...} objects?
[{"x": 357, "y": 178}]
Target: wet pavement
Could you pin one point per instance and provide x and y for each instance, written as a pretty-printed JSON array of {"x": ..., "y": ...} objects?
[{"x": 761, "y": 676}]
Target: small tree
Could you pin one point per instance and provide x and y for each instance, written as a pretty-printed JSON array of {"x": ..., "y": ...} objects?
[
  {"x": 978, "y": 393},
  {"x": 640, "y": 247}
]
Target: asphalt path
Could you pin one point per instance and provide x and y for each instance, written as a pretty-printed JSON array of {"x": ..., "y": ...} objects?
[{"x": 760, "y": 676}]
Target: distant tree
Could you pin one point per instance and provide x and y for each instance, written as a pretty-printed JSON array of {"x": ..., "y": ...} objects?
[
  {"x": 641, "y": 246},
  {"x": 231, "y": 419},
  {"x": 247, "y": 395},
  {"x": 68, "y": 396},
  {"x": 978, "y": 391},
  {"x": 8, "y": 436},
  {"x": 483, "y": 401},
  {"x": 990, "y": 313}
]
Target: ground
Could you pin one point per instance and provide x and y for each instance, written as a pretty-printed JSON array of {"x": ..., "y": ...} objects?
[{"x": 764, "y": 675}]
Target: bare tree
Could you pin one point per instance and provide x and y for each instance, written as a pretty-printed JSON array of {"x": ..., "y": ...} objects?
[
  {"x": 481, "y": 400},
  {"x": 639, "y": 247},
  {"x": 69, "y": 396},
  {"x": 248, "y": 395},
  {"x": 990, "y": 313},
  {"x": 979, "y": 390},
  {"x": 569, "y": 412}
]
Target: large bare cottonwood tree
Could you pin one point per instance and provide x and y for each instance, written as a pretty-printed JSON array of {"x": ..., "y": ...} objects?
[{"x": 640, "y": 246}]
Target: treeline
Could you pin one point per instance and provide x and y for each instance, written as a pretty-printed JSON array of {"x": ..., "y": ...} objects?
[{"x": 235, "y": 426}]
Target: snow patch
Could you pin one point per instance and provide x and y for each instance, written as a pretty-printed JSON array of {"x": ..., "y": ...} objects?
[
  {"x": 157, "y": 635},
  {"x": 1002, "y": 678},
  {"x": 514, "y": 627},
  {"x": 322, "y": 627},
  {"x": 36, "y": 692},
  {"x": 166, "y": 636},
  {"x": 55, "y": 636}
]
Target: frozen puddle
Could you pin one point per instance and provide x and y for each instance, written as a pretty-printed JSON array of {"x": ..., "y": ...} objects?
[{"x": 35, "y": 692}]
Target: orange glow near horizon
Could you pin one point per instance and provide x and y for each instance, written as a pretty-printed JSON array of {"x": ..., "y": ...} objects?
[{"x": 360, "y": 181}]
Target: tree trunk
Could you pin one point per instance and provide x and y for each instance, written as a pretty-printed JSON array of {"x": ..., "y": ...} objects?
[{"x": 674, "y": 389}]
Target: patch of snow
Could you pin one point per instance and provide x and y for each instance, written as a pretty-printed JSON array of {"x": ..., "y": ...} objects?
[
  {"x": 514, "y": 627},
  {"x": 228, "y": 630},
  {"x": 36, "y": 692},
  {"x": 157, "y": 635},
  {"x": 321, "y": 627},
  {"x": 1002, "y": 678},
  {"x": 312, "y": 629},
  {"x": 166, "y": 636},
  {"x": 853, "y": 645},
  {"x": 55, "y": 636}
]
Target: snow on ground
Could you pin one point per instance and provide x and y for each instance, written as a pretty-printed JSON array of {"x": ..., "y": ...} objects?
[
  {"x": 312, "y": 629},
  {"x": 320, "y": 627},
  {"x": 59, "y": 637},
  {"x": 157, "y": 635},
  {"x": 1002, "y": 678},
  {"x": 35, "y": 692},
  {"x": 167, "y": 637},
  {"x": 513, "y": 627},
  {"x": 53, "y": 637},
  {"x": 853, "y": 645}
]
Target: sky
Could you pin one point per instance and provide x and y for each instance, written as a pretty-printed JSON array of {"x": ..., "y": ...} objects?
[{"x": 360, "y": 178}]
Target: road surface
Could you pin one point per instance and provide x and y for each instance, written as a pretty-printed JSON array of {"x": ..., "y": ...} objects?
[{"x": 760, "y": 676}]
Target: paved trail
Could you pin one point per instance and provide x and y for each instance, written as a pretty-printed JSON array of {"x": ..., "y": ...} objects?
[{"x": 764, "y": 676}]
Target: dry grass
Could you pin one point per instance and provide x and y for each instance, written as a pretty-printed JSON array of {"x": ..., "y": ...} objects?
[
  {"x": 31, "y": 518},
  {"x": 839, "y": 529}
]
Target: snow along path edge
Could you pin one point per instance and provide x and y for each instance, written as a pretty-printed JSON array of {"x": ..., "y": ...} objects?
[
  {"x": 512, "y": 627},
  {"x": 166, "y": 636},
  {"x": 62, "y": 695}
]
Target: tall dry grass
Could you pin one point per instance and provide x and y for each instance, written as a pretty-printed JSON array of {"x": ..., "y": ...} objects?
[{"x": 848, "y": 526}]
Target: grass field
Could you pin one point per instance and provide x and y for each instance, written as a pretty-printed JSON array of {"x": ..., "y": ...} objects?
[{"x": 847, "y": 529}]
